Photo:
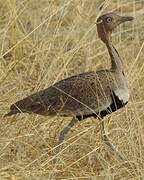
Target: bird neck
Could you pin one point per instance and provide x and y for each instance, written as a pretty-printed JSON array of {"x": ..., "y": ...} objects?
[{"x": 116, "y": 63}]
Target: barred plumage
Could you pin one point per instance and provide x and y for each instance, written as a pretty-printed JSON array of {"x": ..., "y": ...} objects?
[{"x": 84, "y": 95}]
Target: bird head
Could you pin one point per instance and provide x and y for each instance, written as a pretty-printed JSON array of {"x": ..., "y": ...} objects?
[{"x": 108, "y": 22}]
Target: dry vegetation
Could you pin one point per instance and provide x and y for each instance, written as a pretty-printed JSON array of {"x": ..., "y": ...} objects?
[{"x": 43, "y": 41}]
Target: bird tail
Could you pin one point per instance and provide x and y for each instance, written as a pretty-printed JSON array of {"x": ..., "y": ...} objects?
[
  {"x": 13, "y": 110},
  {"x": 26, "y": 105}
]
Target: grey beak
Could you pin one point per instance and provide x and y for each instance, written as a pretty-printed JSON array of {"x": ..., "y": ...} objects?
[{"x": 126, "y": 18}]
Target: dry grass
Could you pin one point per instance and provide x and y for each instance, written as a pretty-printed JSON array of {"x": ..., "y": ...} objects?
[{"x": 44, "y": 41}]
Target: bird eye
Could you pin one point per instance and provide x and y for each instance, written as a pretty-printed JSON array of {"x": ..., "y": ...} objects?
[{"x": 108, "y": 19}]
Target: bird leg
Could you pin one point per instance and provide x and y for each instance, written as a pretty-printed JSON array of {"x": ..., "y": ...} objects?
[
  {"x": 107, "y": 141},
  {"x": 62, "y": 135}
]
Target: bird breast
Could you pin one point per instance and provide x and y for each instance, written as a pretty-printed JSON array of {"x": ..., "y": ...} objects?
[
  {"x": 122, "y": 94},
  {"x": 121, "y": 91}
]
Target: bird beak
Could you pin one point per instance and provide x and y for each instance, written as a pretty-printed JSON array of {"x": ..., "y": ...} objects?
[{"x": 123, "y": 19}]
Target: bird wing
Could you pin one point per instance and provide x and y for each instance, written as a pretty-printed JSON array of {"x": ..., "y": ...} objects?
[
  {"x": 82, "y": 94},
  {"x": 86, "y": 93}
]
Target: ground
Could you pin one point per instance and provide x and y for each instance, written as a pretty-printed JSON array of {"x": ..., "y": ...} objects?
[{"x": 43, "y": 41}]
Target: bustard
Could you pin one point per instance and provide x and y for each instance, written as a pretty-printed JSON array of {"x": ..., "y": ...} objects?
[{"x": 90, "y": 94}]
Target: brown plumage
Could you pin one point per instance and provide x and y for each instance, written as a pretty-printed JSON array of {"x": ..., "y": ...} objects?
[
  {"x": 88, "y": 94},
  {"x": 80, "y": 95}
]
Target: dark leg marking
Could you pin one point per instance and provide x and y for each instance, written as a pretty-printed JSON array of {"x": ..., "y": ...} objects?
[{"x": 116, "y": 104}]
